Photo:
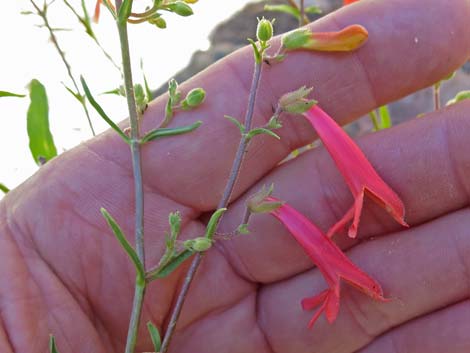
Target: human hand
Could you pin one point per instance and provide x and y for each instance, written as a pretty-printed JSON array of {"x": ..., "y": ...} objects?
[{"x": 64, "y": 273}]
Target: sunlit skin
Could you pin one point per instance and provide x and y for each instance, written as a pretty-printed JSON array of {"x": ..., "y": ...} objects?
[{"x": 62, "y": 272}]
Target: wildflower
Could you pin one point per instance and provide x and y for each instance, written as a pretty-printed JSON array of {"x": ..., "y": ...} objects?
[
  {"x": 347, "y": 2},
  {"x": 348, "y": 39},
  {"x": 357, "y": 171},
  {"x": 330, "y": 260}
]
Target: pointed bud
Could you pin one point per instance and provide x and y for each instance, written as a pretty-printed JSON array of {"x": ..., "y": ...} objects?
[
  {"x": 181, "y": 8},
  {"x": 198, "y": 244},
  {"x": 264, "y": 31},
  {"x": 159, "y": 22}
]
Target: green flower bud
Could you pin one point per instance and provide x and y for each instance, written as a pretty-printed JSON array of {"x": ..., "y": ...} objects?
[
  {"x": 264, "y": 31},
  {"x": 159, "y": 22},
  {"x": 194, "y": 98},
  {"x": 198, "y": 244},
  {"x": 181, "y": 8},
  {"x": 300, "y": 106},
  {"x": 296, "y": 39}
]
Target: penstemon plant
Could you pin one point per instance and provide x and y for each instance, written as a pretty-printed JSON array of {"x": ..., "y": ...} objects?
[{"x": 358, "y": 173}]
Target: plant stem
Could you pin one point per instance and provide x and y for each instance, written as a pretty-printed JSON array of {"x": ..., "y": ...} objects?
[
  {"x": 437, "y": 96},
  {"x": 374, "y": 119},
  {"x": 138, "y": 183},
  {"x": 43, "y": 15},
  {"x": 304, "y": 20},
  {"x": 302, "y": 13},
  {"x": 242, "y": 149},
  {"x": 91, "y": 33}
]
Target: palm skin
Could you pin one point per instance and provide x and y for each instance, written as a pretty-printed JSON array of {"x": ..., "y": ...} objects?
[{"x": 64, "y": 273}]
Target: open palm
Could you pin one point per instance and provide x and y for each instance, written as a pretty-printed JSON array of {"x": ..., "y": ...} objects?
[{"x": 62, "y": 271}]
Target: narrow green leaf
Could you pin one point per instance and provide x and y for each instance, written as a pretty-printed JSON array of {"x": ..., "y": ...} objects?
[
  {"x": 76, "y": 95},
  {"x": 124, "y": 243},
  {"x": 41, "y": 142},
  {"x": 261, "y": 130},
  {"x": 177, "y": 260},
  {"x": 165, "y": 132},
  {"x": 3, "y": 188},
  {"x": 462, "y": 95},
  {"x": 284, "y": 9},
  {"x": 385, "y": 120},
  {"x": 124, "y": 11},
  {"x": 11, "y": 94},
  {"x": 174, "y": 219},
  {"x": 214, "y": 220},
  {"x": 148, "y": 91},
  {"x": 101, "y": 111},
  {"x": 155, "y": 336},
  {"x": 240, "y": 126},
  {"x": 52, "y": 346},
  {"x": 116, "y": 91},
  {"x": 315, "y": 10}
]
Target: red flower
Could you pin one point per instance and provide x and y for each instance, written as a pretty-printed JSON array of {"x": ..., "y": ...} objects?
[
  {"x": 96, "y": 16},
  {"x": 357, "y": 171},
  {"x": 347, "y": 2},
  {"x": 330, "y": 260}
]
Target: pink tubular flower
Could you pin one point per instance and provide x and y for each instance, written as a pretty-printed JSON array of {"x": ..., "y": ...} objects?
[
  {"x": 347, "y": 2},
  {"x": 330, "y": 260},
  {"x": 357, "y": 171}
]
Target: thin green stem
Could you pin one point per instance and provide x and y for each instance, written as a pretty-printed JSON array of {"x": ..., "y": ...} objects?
[
  {"x": 302, "y": 13},
  {"x": 92, "y": 34},
  {"x": 375, "y": 120},
  {"x": 138, "y": 182},
  {"x": 43, "y": 15},
  {"x": 242, "y": 149}
]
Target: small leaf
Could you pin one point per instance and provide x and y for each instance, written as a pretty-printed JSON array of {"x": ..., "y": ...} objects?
[
  {"x": 256, "y": 51},
  {"x": 3, "y": 188},
  {"x": 116, "y": 91},
  {"x": 177, "y": 260},
  {"x": 155, "y": 336},
  {"x": 214, "y": 220},
  {"x": 315, "y": 10},
  {"x": 175, "y": 224},
  {"x": 101, "y": 111},
  {"x": 459, "y": 97},
  {"x": 165, "y": 132},
  {"x": 11, "y": 94},
  {"x": 118, "y": 233},
  {"x": 240, "y": 126},
  {"x": 52, "y": 346},
  {"x": 41, "y": 142},
  {"x": 148, "y": 91},
  {"x": 284, "y": 9},
  {"x": 385, "y": 121},
  {"x": 261, "y": 130},
  {"x": 76, "y": 95}
]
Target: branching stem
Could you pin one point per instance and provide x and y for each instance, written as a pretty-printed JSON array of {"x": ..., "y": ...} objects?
[
  {"x": 138, "y": 182},
  {"x": 43, "y": 15},
  {"x": 242, "y": 149}
]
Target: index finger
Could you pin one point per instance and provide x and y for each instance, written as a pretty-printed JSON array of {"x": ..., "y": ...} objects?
[{"x": 410, "y": 46}]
